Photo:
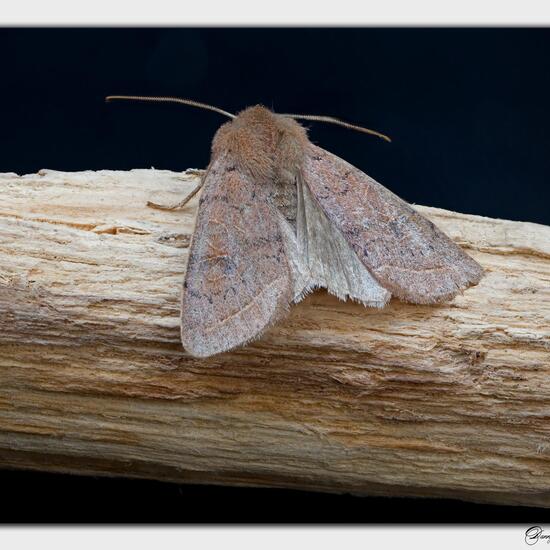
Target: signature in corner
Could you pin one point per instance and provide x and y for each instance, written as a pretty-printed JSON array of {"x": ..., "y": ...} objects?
[{"x": 534, "y": 534}]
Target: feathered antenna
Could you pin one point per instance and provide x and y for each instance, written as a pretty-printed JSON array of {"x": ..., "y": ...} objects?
[{"x": 171, "y": 100}]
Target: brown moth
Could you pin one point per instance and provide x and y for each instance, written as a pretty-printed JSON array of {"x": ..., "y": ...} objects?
[{"x": 279, "y": 216}]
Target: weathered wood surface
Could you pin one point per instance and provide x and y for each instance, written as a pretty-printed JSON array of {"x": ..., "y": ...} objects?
[{"x": 452, "y": 400}]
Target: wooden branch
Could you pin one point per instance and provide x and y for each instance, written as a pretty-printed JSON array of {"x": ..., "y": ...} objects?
[{"x": 451, "y": 401}]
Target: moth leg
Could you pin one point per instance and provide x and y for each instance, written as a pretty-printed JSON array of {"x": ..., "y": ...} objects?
[
  {"x": 195, "y": 172},
  {"x": 179, "y": 204}
]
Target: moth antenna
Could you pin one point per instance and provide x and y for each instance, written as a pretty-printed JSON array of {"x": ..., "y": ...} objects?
[
  {"x": 171, "y": 100},
  {"x": 322, "y": 118}
]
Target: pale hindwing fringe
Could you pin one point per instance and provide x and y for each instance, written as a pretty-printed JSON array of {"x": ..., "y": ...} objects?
[{"x": 320, "y": 257}]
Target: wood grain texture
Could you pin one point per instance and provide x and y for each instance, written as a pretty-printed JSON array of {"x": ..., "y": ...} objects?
[{"x": 450, "y": 400}]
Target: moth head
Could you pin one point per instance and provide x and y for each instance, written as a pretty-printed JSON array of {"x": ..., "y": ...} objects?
[
  {"x": 259, "y": 141},
  {"x": 262, "y": 143}
]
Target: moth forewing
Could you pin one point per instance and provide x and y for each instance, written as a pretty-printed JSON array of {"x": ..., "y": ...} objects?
[
  {"x": 404, "y": 251},
  {"x": 238, "y": 280}
]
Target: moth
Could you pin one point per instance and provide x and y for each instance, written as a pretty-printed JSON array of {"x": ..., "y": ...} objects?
[{"x": 279, "y": 217}]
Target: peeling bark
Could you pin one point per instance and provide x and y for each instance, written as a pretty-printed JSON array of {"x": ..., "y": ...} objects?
[{"x": 450, "y": 400}]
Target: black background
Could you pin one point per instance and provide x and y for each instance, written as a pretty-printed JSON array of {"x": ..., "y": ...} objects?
[{"x": 467, "y": 110}]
